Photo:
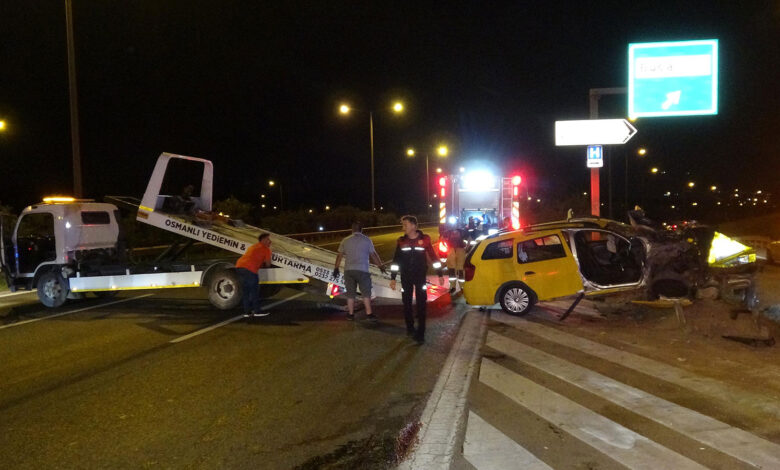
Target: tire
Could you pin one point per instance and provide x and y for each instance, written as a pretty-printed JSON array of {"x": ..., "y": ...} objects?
[
  {"x": 52, "y": 289},
  {"x": 516, "y": 299},
  {"x": 225, "y": 289}
]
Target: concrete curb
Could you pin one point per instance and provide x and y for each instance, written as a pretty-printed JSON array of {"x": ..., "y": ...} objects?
[{"x": 443, "y": 420}]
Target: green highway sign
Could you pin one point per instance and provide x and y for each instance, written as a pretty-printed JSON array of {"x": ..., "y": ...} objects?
[{"x": 678, "y": 78}]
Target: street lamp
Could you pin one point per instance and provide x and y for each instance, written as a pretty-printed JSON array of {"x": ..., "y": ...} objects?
[
  {"x": 2, "y": 125},
  {"x": 272, "y": 183},
  {"x": 345, "y": 109},
  {"x": 442, "y": 151},
  {"x": 641, "y": 152}
]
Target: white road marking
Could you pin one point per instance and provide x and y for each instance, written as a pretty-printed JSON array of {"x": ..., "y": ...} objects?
[
  {"x": 736, "y": 442},
  {"x": 48, "y": 317},
  {"x": 488, "y": 448},
  {"x": 690, "y": 380},
  {"x": 231, "y": 320},
  {"x": 618, "y": 442},
  {"x": 11, "y": 294}
]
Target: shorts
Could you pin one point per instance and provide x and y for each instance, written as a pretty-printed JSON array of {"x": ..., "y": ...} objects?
[
  {"x": 456, "y": 259},
  {"x": 353, "y": 279}
]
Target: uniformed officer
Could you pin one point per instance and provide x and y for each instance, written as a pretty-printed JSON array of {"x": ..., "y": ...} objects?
[{"x": 413, "y": 254}]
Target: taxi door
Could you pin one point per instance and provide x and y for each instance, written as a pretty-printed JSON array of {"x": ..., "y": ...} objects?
[{"x": 545, "y": 263}]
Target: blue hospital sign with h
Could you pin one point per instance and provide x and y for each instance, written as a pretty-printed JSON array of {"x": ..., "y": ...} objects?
[{"x": 595, "y": 156}]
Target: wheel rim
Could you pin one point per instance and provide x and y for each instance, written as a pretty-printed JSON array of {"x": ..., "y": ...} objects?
[
  {"x": 52, "y": 289},
  {"x": 225, "y": 289},
  {"x": 516, "y": 299}
]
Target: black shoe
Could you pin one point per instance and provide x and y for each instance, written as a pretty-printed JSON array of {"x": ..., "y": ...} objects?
[
  {"x": 350, "y": 317},
  {"x": 372, "y": 318},
  {"x": 419, "y": 339},
  {"x": 411, "y": 332},
  {"x": 452, "y": 289}
]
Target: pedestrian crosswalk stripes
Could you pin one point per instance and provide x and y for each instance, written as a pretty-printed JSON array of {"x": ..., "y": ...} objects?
[
  {"x": 486, "y": 447},
  {"x": 651, "y": 367},
  {"x": 621, "y": 444},
  {"x": 626, "y": 424},
  {"x": 727, "y": 439}
]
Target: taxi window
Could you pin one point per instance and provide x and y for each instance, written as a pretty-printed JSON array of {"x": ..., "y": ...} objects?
[
  {"x": 540, "y": 249},
  {"x": 498, "y": 250}
]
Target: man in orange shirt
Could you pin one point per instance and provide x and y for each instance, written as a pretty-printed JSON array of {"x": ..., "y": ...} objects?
[{"x": 257, "y": 256}]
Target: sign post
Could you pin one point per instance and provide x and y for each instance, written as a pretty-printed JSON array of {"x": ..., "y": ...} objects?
[
  {"x": 678, "y": 78},
  {"x": 594, "y": 132}
]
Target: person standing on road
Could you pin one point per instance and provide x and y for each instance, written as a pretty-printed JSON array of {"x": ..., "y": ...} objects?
[
  {"x": 456, "y": 258},
  {"x": 413, "y": 254},
  {"x": 257, "y": 256},
  {"x": 357, "y": 248}
]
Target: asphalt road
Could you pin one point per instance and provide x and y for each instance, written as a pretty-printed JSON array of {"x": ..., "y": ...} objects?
[{"x": 160, "y": 379}]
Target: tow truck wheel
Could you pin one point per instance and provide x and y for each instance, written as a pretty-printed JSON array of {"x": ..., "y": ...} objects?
[
  {"x": 516, "y": 299},
  {"x": 225, "y": 289},
  {"x": 52, "y": 289}
]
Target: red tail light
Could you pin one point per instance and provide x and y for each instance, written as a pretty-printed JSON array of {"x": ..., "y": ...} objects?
[{"x": 443, "y": 248}]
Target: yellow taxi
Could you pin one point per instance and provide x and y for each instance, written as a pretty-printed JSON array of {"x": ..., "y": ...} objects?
[{"x": 557, "y": 259}]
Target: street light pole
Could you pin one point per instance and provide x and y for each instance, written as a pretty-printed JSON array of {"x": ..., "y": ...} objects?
[
  {"x": 371, "y": 134},
  {"x": 74, "y": 105},
  {"x": 427, "y": 185}
]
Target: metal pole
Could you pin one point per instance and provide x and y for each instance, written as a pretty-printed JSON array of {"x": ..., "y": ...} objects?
[
  {"x": 625, "y": 154},
  {"x": 371, "y": 132},
  {"x": 427, "y": 185},
  {"x": 594, "y": 172},
  {"x": 74, "y": 105},
  {"x": 609, "y": 178}
]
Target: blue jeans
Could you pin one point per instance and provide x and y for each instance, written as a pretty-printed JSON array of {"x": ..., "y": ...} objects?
[{"x": 250, "y": 294}]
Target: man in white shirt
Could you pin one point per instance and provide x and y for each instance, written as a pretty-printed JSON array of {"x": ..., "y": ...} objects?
[{"x": 358, "y": 249}]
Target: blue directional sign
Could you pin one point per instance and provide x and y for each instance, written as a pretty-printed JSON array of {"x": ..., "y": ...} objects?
[
  {"x": 677, "y": 78},
  {"x": 595, "y": 156}
]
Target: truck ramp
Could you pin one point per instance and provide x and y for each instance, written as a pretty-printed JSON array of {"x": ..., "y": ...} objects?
[{"x": 299, "y": 261}]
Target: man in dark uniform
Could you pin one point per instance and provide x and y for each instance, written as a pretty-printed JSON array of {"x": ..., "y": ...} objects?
[{"x": 413, "y": 254}]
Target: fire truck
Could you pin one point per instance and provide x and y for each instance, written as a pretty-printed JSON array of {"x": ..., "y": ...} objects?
[{"x": 480, "y": 195}]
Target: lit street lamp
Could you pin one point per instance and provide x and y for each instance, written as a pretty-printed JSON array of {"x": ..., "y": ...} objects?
[
  {"x": 2, "y": 125},
  {"x": 272, "y": 183},
  {"x": 345, "y": 109},
  {"x": 442, "y": 151}
]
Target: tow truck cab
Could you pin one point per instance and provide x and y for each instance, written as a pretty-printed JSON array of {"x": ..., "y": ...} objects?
[{"x": 59, "y": 233}]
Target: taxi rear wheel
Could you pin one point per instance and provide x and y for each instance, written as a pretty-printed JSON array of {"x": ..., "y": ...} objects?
[{"x": 516, "y": 299}]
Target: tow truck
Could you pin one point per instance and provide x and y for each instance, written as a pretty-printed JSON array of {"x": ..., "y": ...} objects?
[{"x": 64, "y": 248}]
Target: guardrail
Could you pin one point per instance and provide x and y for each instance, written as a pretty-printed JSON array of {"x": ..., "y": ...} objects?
[{"x": 310, "y": 237}]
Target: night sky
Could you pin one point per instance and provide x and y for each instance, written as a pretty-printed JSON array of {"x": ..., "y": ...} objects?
[{"x": 255, "y": 85}]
